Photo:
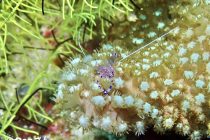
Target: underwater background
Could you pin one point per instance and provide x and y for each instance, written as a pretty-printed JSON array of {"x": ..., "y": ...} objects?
[{"x": 105, "y": 69}]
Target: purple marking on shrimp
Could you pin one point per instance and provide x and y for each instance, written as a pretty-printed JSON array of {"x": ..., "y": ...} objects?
[{"x": 107, "y": 72}]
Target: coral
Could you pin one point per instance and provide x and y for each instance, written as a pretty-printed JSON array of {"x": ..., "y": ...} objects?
[{"x": 164, "y": 85}]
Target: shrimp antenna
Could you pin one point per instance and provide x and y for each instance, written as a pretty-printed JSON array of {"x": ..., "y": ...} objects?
[{"x": 148, "y": 44}]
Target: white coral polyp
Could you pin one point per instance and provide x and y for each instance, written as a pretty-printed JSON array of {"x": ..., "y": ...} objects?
[
  {"x": 186, "y": 130},
  {"x": 179, "y": 126},
  {"x": 69, "y": 76},
  {"x": 201, "y": 38},
  {"x": 94, "y": 87},
  {"x": 140, "y": 128},
  {"x": 106, "y": 123},
  {"x": 153, "y": 75},
  {"x": 188, "y": 74},
  {"x": 194, "y": 57},
  {"x": 118, "y": 82},
  {"x": 185, "y": 105},
  {"x": 189, "y": 32},
  {"x": 199, "y": 83},
  {"x": 154, "y": 95},
  {"x": 145, "y": 66},
  {"x": 122, "y": 127},
  {"x": 59, "y": 94},
  {"x": 168, "y": 82},
  {"x": 137, "y": 40},
  {"x": 154, "y": 113},
  {"x": 99, "y": 101},
  {"x": 75, "y": 61},
  {"x": 206, "y": 56},
  {"x": 107, "y": 47},
  {"x": 74, "y": 88},
  {"x": 95, "y": 62},
  {"x": 168, "y": 123},
  {"x": 84, "y": 121},
  {"x": 199, "y": 99},
  {"x": 175, "y": 92},
  {"x": 129, "y": 101},
  {"x": 96, "y": 122},
  {"x": 196, "y": 135},
  {"x": 207, "y": 31},
  {"x": 83, "y": 72},
  {"x": 191, "y": 45},
  {"x": 118, "y": 101},
  {"x": 182, "y": 51},
  {"x": 183, "y": 60},
  {"x": 147, "y": 107},
  {"x": 144, "y": 86}
]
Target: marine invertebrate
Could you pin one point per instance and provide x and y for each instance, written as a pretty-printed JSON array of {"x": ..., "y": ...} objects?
[{"x": 165, "y": 85}]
